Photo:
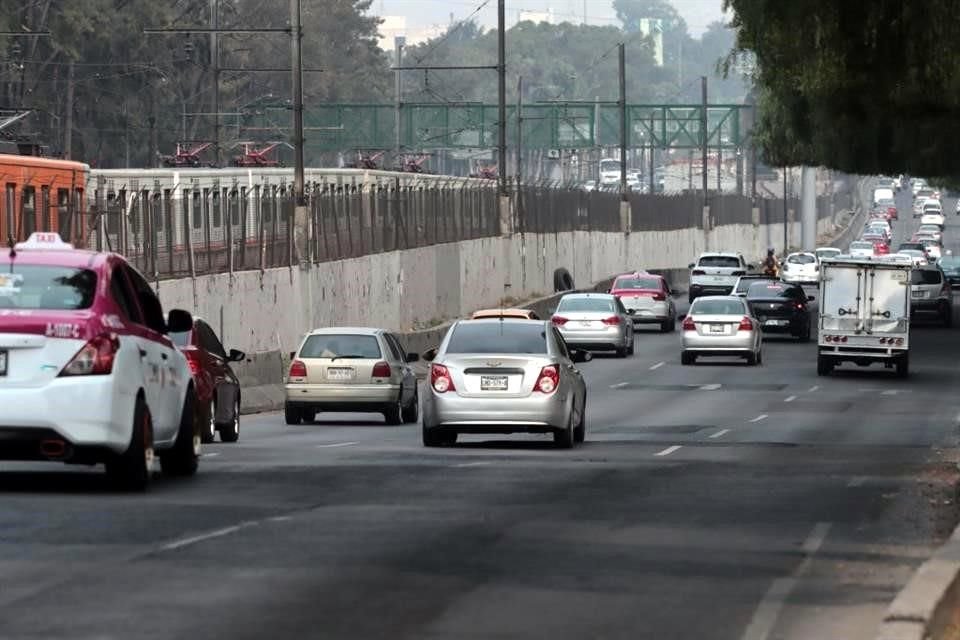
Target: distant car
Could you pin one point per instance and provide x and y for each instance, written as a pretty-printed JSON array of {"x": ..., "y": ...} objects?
[
  {"x": 493, "y": 377},
  {"x": 917, "y": 256},
  {"x": 827, "y": 252},
  {"x": 351, "y": 369},
  {"x": 716, "y": 274},
  {"x": 931, "y": 293},
  {"x": 932, "y": 230},
  {"x": 950, "y": 265},
  {"x": 596, "y": 321},
  {"x": 881, "y": 248},
  {"x": 647, "y": 298},
  {"x": 506, "y": 314},
  {"x": 935, "y": 218},
  {"x": 861, "y": 249},
  {"x": 218, "y": 388},
  {"x": 933, "y": 248},
  {"x": 801, "y": 268},
  {"x": 923, "y": 193},
  {"x": 744, "y": 282},
  {"x": 876, "y": 238},
  {"x": 781, "y": 307},
  {"x": 721, "y": 326},
  {"x": 880, "y": 226}
]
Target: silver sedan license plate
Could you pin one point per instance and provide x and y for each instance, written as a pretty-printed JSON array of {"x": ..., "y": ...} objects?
[
  {"x": 716, "y": 328},
  {"x": 340, "y": 373},
  {"x": 493, "y": 383}
]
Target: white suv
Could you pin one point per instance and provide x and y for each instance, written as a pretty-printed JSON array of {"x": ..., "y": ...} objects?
[{"x": 716, "y": 274}]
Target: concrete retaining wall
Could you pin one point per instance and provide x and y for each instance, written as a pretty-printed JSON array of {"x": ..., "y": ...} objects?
[{"x": 417, "y": 291}]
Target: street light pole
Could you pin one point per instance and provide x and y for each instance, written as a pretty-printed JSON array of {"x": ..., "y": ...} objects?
[
  {"x": 502, "y": 95},
  {"x": 300, "y": 205}
]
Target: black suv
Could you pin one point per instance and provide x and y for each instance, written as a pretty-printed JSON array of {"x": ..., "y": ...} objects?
[{"x": 781, "y": 308}]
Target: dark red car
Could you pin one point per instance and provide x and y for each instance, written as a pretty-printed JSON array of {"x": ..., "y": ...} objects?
[{"x": 218, "y": 388}]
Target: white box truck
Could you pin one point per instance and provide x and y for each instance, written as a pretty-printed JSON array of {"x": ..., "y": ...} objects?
[{"x": 864, "y": 313}]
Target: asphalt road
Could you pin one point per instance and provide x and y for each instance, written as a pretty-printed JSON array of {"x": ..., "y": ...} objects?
[{"x": 716, "y": 501}]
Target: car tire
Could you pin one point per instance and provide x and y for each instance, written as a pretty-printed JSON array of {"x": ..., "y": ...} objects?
[
  {"x": 946, "y": 315},
  {"x": 230, "y": 432},
  {"x": 903, "y": 366},
  {"x": 183, "y": 459},
  {"x": 580, "y": 431},
  {"x": 412, "y": 412},
  {"x": 687, "y": 359},
  {"x": 393, "y": 413},
  {"x": 666, "y": 326},
  {"x": 824, "y": 366},
  {"x": 630, "y": 349},
  {"x": 130, "y": 470},
  {"x": 209, "y": 432},
  {"x": 564, "y": 438},
  {"x": 805, "y": 334},
  {"x": 760, "y": 356},
  {"x": 621, "y": 352},
  {"x": 751, "y": 359},
  {"x": 435, "y": 437},
  {"x": 291, "y": 414}
]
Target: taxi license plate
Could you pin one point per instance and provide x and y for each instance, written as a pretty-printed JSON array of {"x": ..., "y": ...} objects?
[
  {"x": 3, "y": 363},
  {"x": 716, "y": 328},
  {"x": 493, "y": 383},
  {"x": 339, "y": 373}
]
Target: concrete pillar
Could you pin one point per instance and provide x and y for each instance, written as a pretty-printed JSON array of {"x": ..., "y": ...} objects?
[
  {"x": 301, "y": 234},
  {"x": 506, "y": 216},
  {"x": 705, "y": 223},
  {"x": 626, "y": 217},
  {"x": 808, "y": 209}
]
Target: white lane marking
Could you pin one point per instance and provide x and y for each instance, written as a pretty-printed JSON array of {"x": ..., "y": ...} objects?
[
  {"x": 768, "y": 611},
  {"x": 760, "y": 418},
  {"x": 790, "y": 398},
  {"x": 657, "y": 366},
  {"x": 857, "y": 481},
  {"x": 279, "y": 519},
  {"x": 813, "y": 388},
  {"x": 335, "y": 445},
  {"x": 721, "y": 433},
  {"x": 619, "y": 385},
  {"x": 668, "y": 451},
  {"x": 710, "y": 387},
  {"x": 473, "y": 464},
  {"x": 210, "y": 455},
  {"x": 217, "y": 533},
  {"x": 890, "y": 392}
]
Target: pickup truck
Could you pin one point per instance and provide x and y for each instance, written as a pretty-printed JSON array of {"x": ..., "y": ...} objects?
[{"x": 716, "y": 274}]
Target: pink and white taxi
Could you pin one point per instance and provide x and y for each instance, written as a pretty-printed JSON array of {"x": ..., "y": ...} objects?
[{"x": 87, "y": 372}]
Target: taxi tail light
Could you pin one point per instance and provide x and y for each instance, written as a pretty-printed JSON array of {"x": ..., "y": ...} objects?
[
  {"x": 549, "y": 379},
  {"x": 95, "y": 358},
  {"x": 440, "y": 379},
  {"x": 746, "y": 324},
  {"x": 559, "y": 320},
  {"x": 612, "y": 320},
  {"x": 193, "y": 359},
  {"x": 659, "y": 297},
  {"x": 688, "y": 324},
  {"x": 298, "y": 369},
  {"x": 381, "y": 370}
]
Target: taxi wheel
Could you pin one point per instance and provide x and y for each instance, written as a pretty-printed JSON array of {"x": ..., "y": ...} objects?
[
  {"x": 292, "y": 415},
  {"x": 230, "y": 432},
  {"x": 183, "y": 458},
  {"x": 209, "y": 432},
  {"x": 580, "y": 431},
  {"x": 130, "y": 470},
  {"x": 393, "y": 414},
  {"x": 412, "y": 413}
]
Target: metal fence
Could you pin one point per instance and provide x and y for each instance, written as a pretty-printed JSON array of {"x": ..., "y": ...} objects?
[{"x": 170, "y": 233}]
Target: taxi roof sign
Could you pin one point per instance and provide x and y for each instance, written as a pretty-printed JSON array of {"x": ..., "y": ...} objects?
[{"x": 46, "y": 241}]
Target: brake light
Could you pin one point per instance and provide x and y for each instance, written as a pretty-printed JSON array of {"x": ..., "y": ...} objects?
[
  {"x": 659, "y": 297},
  {"x": 559, "y": 320},
  {"x": 440, "y": 379},
  {"x": 549, "y": 379},
  {"x": 298, "y": 369},
  {"x": 612, "y": 320},
  {"x": 95, "y": 358},
  {"x": 381, "y": 370},
  {"x": 698, "y": 272},
  {"x": 193, "y": 359},
  {"x": 800, "y": 306},
  {"x": 746, "y": 324},
  {"x": 688, "y": 324}
]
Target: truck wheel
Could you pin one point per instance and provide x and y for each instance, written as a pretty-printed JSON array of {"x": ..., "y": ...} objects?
[
  {"x": 903, "y": 366},
  {"x": 183, "y": 458},
  {"x": 824, "y": 366}
]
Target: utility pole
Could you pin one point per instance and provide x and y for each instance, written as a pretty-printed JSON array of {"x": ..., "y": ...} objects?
[
  {"x": 653, "y": 151},
  {"x": 719, "y": 167},
  {"x": 302, "y": 223},
  {"x": 703, "y": 133},
  {"x": 502, "y": 95},
  {"x": 519, "y": 158},
  {"x": 215, "y": 69},
  {"x": 398, "y": 44},
  {"x": 622, "y": 104},
  {"x": 786, "y": 220},
  {"x": 68, "y": 116}
]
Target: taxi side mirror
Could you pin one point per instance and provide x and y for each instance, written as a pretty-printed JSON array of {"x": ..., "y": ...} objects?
[{"x": 179, "y": 321}]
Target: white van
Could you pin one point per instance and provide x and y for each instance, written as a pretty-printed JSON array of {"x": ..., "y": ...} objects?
[{"x": 882, "y": 193}]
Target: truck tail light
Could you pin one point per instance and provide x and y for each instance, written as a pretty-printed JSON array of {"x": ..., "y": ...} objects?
[
  {"x": 559, "y": 320},
  {"x": 688, "y": 324},
  {"x": 611, "y": 321},
  {"x": 381, "y": 370},
  {"x": 298, "y": 369},
  {"x": 549, "y": 379},
  {"x": 440, "y": 379},
  {"x": 95, "y": 358},
  {"x": 746, "y": 324}
]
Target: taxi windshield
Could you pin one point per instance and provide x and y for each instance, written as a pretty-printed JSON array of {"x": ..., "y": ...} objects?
[{"x": 28, "y": 286}]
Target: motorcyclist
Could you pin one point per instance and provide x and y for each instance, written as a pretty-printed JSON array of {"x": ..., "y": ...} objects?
[{"x": 771, "y": 266}]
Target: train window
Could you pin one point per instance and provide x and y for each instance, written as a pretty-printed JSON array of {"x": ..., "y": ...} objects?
[
  {"x": 45, "y": 208},
  {"x": 268, "y": 203},
  {"x": 156, "y": 207},
  {"x": 168, "y": 209},
  {"x": 11, "y": 204},
  {"x": 234, "y": 208},
  {"x": 28, "y": 211},
  {"x": 195, "y": 210},
  {"x": 113, "y": 213},
  {"x": 136, "y": 209},
  {"x": 216, "y": 204},
  {"x": 205, "y": 206}
]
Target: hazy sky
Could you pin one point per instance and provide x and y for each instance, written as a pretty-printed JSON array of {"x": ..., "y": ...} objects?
[{"x": 420, "y": 13}]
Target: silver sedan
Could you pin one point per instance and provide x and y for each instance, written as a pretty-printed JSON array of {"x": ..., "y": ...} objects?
[
  {"x": 595, "y": 321},
  {"x": 496, "y": 376},
  {"x": 721, "y": 326}
]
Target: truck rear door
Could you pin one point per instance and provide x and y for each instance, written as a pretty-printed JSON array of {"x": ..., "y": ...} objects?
[
  {"x": 842, "y": 293},
  {"x": 888, "y": 303}
]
